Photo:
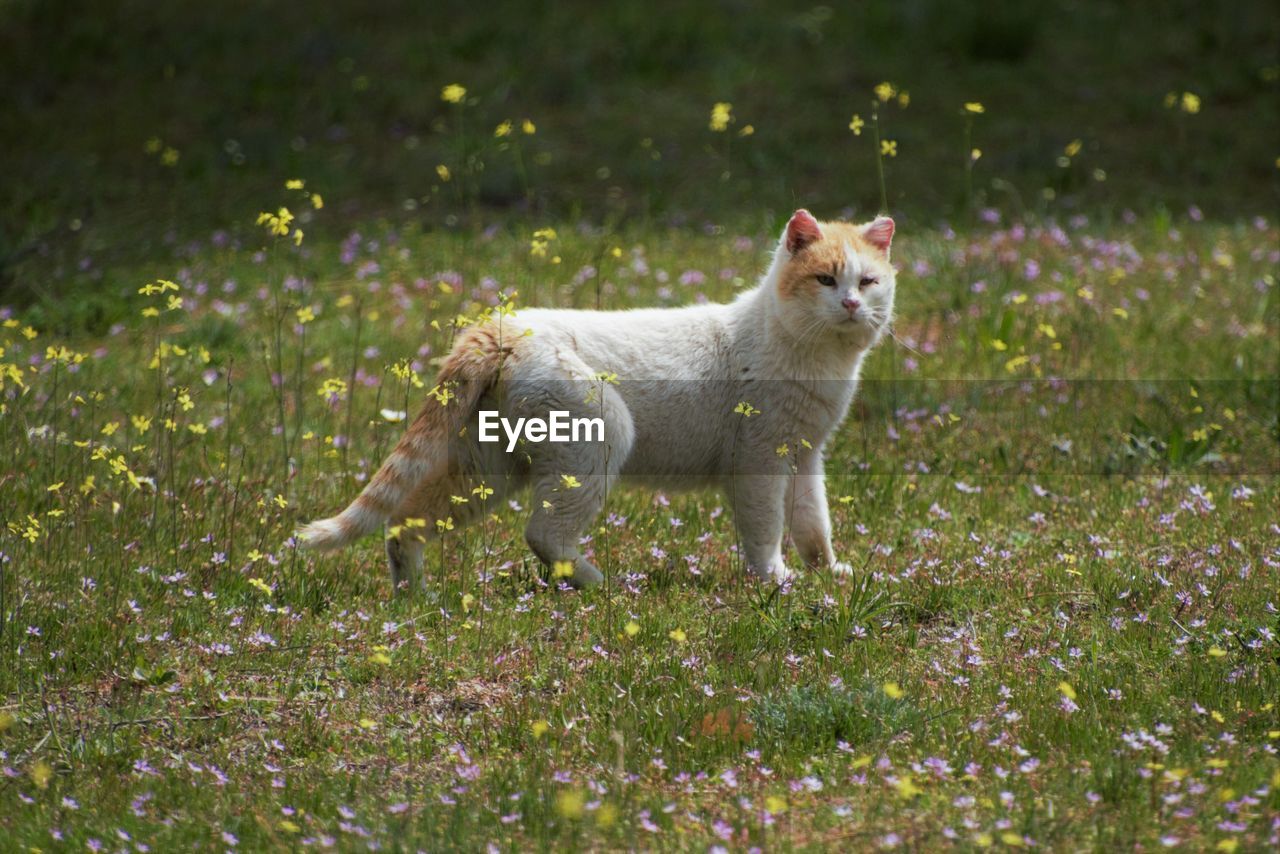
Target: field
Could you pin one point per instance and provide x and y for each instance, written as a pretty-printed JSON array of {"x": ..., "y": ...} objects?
[
  {"x": 227, "y": 277},
  {"x": 1061, "y": 630}
]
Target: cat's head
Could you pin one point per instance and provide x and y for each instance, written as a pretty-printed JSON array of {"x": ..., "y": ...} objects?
[{"x": 834, "y": 279}]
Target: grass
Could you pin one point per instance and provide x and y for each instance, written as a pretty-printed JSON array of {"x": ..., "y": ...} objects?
[
  {"x": 1058, "y": 489},
  {"x": 1058, "y": 485},
  {"x": 245, "y": 92}
]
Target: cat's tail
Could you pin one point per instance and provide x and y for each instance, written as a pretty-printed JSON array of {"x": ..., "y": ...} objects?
[{"x": 423, "y": 452}]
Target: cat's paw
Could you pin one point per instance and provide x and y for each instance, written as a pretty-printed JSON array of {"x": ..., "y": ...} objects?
[
  {"x": 775, "y": 572},
  {"x": 585, "y": 574},
  {"x": 839, "y": 567}
]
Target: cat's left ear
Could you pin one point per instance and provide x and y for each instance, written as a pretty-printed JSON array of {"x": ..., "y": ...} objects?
[{"x": 879, "y": 233}]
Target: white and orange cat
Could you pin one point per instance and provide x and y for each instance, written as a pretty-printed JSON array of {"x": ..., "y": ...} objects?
[{"x": 741, "y": 395}]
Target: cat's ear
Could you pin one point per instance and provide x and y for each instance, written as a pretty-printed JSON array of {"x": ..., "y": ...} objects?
[
  {"x": 802, "y": 229},
  {"x": 879, "y": 233}
]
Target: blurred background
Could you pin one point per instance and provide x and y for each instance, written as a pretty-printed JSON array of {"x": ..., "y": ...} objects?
[{"x": 127, "y": 125}]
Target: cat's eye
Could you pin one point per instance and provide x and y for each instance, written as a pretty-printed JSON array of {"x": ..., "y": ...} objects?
[
  {"x": 828, "y": 281},
  {"x": 866, "y": 282}
]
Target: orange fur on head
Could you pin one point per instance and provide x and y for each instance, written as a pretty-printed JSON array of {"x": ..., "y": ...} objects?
[{"x": 825, "y": 255}]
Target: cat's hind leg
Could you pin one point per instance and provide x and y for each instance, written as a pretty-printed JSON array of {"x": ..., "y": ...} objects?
[{"x": 572, "y": 479}]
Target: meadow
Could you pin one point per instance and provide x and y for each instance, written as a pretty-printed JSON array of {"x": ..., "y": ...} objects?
[{"x": 1057, "y": 488}]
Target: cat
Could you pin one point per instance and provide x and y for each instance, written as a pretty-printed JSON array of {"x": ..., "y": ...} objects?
[{"x": 741, "y": 395}]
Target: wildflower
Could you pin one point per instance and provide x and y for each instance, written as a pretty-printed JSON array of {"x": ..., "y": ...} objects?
[
  {"x": 305, "y": 314},
  {"x": 261, "y": 585},
  {"x": 443, "y": 172},
  {"x": 317, "y": 201},
  {"x": 884, "y": 91},
  {"x": 570, "y": 804},
  {"x": 539, "y": 728},
  {"x": 856, "y": 124},
  {"x": 528, "y": 128},
  {"x": 747, "y": 130},
  {"x": 170, "y": 156},
  {"x": 569, "y": 481},
  {"x": 562, "y": 569},
  {"x": 975, "y": 154},
  {"x": 502, "y": 130},
  {"x": 41, "y": 774},
  {"x": 892, "y": 690},
  {"x": 1073, "y": 148},
  {"x": 889, "y": 147},
  {"x": 974, "y": 107},
  {"x": 380, "y": 657},
  {"x": 745, "y": 409},
  {"x": 721, "y": 116},
  {"x": 904, "y": 99},
  {"x": 678, "y": 635},
  {"x": 294, "y": 184},
  {"x": 1190, "y": 103},
  {"x": 632, "y": 628},
  {"x": 453, "y": 93}
]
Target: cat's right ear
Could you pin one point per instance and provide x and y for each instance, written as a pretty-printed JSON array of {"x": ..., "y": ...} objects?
[{"x": 802, "y": 229}]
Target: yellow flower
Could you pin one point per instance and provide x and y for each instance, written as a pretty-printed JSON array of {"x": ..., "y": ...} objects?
[
  {"x": 721, "y": 116},
  {"x": 678, "y": 635},
  {"x": 856, "y": 124},
  {"x": 502, "y": 130},
  {"x": 539, "y": 728},
  {"x": 1073, "y": 148},
  {"x": 1066, "y": 690},
  {"x": 975, "y": 154},
  {"x": 443, "y": 172},
  {"x": 1217, "y": 652},
  {"x": 562, "y": 569},
  {"x": 467, "y": 601},
  {"x": 889, "y": 147},
  {"x": 1190, "y": 103},
  {"x": 294, "y": 184},
  {"x": 380, "y": 657},
  {"x": 907, "y": 788},
  {"x": 747, "y": 130},
  {"x": 41, "y": 774},
  {"x": 453, "y": 93},
  {"x": 170, "y": 157},
  {"x": 892, "y": 690},
  {"x": 904, "y": 99},
  {"x": 569, "y": 481},
  {"x": 885, "y": 91},
  {"x": 570, "y": 804},
  {"x": 632, "y": 628},
  {"x": 261, "y": 586},
  {"x": 775, "y": 804},
  {"x": 974, "y": 107},
  {"x": 528, "y": 128},
  {"x": 317, "y": 201},
  {"x": 6, "y": 720},
  {"x": 153, "y": 145}
]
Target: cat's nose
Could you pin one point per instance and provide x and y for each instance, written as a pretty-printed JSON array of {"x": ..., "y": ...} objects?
[{"x": 851, "y": 305}]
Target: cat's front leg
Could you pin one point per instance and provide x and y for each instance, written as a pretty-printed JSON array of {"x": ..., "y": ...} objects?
[
  {"x": 808, "y": 517},
  {"x": 757, "y": 501}
]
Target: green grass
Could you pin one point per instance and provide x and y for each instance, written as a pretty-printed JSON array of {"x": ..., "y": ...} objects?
[
  {"x": 150, "y": 686},
  {"x": 348, "y": 95},
  {"x": 1058, "y": 485}
]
